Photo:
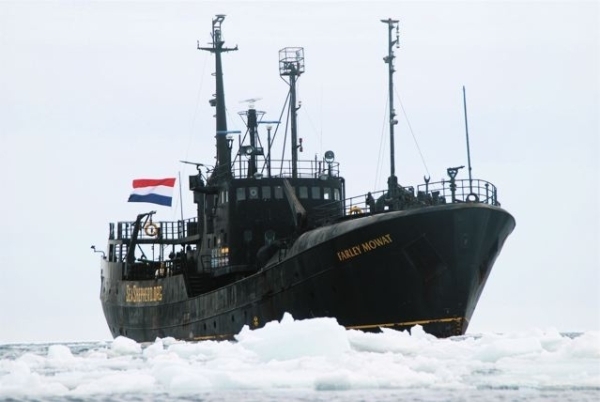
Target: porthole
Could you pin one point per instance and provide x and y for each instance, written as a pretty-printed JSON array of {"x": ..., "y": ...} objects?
[{"x": 253, "y": 191}]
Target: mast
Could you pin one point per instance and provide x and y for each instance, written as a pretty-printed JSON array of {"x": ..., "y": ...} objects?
[
  {"x": 389, "y": 59},
  {"x": 252, "y": 126},
  {"x": 223, "y": 164},
  {"x": 252, "y": 151},
  {"x": 291, "y": 64}
]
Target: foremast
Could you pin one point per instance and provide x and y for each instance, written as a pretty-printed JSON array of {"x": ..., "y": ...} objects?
[
  {"x": 223, "y": 164},
  {"x": 389, "y": 59}
]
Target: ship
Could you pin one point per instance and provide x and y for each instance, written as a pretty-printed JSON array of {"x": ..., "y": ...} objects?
[{"x": 272, "y": 237}]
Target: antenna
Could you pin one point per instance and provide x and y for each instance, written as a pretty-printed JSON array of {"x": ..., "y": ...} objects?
[
  {"x": 197, "y": 164},
  {"x": 250, "y": 102},
  {"x": 467, "y": 133},
  {"x": 98, "y": 251},
  {"x": 269, "y": 124}
]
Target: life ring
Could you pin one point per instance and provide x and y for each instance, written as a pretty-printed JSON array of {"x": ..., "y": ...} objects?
[
  {"x": 151, "y": 229},
  {"x": 354, "y": 210},
  {"x": 472, "y": 197}
]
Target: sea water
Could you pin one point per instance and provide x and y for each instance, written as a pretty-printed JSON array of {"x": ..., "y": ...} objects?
[{"x": 309, "y": 360}]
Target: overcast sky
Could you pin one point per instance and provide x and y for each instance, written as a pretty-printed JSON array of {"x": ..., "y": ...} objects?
[{"x": 93, "y": 95}]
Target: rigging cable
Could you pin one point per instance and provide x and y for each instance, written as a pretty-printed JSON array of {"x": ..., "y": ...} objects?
[
  {"x": 382, "y": 143},
  {"x": 197, "y": 106},
  {"x": 312, "y": 125},
  {"x": 412, "y": 132},
  {"x": 275, "y": 135},
  {"x": 191, "y": 133},
  {"x": 383, "y": 137}
]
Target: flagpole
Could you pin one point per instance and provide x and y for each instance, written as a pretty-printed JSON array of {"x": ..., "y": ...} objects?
[{"x": 180, "y": 199}]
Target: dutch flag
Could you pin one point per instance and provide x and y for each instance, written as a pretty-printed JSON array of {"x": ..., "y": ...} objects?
[{"x": 155, "y": 191}]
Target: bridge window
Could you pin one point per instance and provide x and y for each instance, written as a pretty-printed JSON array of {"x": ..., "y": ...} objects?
[
  {"x": 240, "y": 194},
  {"x": 316, "y": 193},
  {"x": 336, "y": 194},
  {"x": 326, "y": 193},
  {"x": 253, "y": 193},
  {"x": 278, "y": 192},
  {"x": 266, "y": 192},
  {"x": 303, "y": 192}
]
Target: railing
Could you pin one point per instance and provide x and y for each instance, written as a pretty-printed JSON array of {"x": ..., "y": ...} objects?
[
  {"x": 459, "y": 191},
  {"x": 350, "y": 206},
  {"x": 283, "y": 168},
  {"x": 167, "y": 230},
  {"x": 428, "y": 194}
]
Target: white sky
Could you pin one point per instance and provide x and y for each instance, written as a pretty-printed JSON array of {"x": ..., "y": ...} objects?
[{"x": 93, "y": 95}]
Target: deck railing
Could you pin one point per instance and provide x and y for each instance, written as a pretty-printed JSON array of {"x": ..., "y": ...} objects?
[
  {"x": 167, "y": 230},
  {"x": 283, "y": 168},
  {"x": 463, "y": 190},
  {"x": 437, "y": 193}
]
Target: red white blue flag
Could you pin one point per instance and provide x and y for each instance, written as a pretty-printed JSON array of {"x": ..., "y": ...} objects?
[{"x": 155, "y": 191}]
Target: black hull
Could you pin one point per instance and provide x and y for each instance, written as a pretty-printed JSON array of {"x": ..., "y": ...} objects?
[{"x": 425, "y": 266}]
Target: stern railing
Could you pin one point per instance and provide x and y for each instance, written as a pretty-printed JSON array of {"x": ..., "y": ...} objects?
[{"x": 167, "y": 230}]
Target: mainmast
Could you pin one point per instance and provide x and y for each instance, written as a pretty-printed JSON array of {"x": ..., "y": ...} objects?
[
  {"x": 223, "y": 163},
  {"x": 291, "y": 64},
  {"x": 389, "y": 59}
]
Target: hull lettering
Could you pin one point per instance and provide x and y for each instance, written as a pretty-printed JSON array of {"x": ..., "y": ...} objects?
[
  {"x": 365, "y": 247},
  {"x": 134, "y": 294}
]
